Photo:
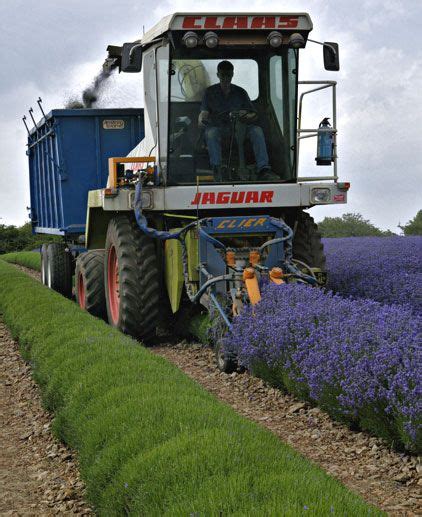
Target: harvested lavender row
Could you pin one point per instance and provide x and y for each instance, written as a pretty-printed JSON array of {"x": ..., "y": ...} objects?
[
  {"x": 359, "y": 360},
  {"x": 385, "y": 269}
]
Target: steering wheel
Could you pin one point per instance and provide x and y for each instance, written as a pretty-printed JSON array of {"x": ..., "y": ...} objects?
[{"x": 237, "y": 114}]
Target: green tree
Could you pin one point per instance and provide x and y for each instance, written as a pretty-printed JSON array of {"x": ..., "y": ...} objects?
[
  {"x": 414, "y": 226},
  {"x": 14, "y": 238},
  {"x": 349, "y": 225}
]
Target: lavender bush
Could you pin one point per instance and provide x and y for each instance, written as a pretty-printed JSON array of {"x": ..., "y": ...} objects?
[
  {"x": 386, "y": 269},
  {"x": 358, "y": 359}
]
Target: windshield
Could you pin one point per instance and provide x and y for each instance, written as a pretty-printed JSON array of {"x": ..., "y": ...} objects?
[{"x": 231, "y": 119}]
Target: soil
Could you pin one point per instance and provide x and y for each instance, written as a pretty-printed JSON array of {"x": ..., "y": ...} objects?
[
  {"x": 388, "y": 479},
  {"x": 38, "y": 475}
]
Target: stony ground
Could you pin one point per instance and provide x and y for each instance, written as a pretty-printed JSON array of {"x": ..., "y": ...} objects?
[{"x": 40, "y": 477}]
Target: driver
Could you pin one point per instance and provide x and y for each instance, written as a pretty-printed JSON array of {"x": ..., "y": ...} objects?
[{"x": 217, "y": 102}]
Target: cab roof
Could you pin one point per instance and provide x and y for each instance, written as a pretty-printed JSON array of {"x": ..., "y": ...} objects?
[{"x": 283, "y": 22}]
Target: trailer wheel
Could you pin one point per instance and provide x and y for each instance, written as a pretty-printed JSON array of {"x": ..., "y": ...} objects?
[
  {"x": 131, "y": 279},
  {"x": 89, "y": 283},
  {"x": 59, "y": 269},
  {"x": 307, "y": 244},
  {"x": 43, "y": 253}
]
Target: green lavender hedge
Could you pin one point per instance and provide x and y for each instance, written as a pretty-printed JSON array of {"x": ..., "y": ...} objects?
[
  {"x": 150, "y": 440},
  {"x": 30, "y": 259}
]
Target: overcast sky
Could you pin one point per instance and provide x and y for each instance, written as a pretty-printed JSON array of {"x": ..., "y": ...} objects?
[{"x": 53, "y": 49}]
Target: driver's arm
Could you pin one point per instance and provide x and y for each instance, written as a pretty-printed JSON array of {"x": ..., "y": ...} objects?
[
  {"x": 250, "y": 112},
  {"x": 204, "y": 112}
]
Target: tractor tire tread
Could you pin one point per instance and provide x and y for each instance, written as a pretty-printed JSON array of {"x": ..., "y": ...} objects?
[
  {"x": 139, "y": 275},
  {"x": 91, "y": 266},
  {"x": 307, "y": 243}
]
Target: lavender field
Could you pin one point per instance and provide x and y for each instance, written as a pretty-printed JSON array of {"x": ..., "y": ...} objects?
[
  {"x": 357, "y": 354},
  {"x": 385, "y": 269}
]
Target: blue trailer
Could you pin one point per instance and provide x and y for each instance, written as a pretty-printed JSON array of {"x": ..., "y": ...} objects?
[{"x": 68, "y": 156}]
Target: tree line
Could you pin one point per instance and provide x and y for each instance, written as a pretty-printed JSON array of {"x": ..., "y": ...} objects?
[
  {"x": 354, "y": 225},
  {"x": 20, "y": 238}
]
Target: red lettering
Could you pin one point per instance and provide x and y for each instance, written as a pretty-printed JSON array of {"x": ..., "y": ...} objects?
[
  {"x": 263, "y": 22},
  {"x": 223, "y": 198},
  {"x": 196, "y": 199},
  {"x": 237, "y": 197},
  {"x": 287, "y": 22},
  {"x": 267, "y": 196},
  {"x": 189, "y": 22},
  {"x": 252, "y": 197},
  {"x": 211, "y": 23},
  {"x": 208, "y": 198},
  {"x": 235, "y": 22}
]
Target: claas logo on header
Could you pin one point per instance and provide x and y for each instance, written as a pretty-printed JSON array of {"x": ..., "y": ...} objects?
[{"x": 240, "y": 22}]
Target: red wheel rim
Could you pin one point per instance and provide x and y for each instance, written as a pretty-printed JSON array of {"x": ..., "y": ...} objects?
[
  {"x": 81, "y": 291},
  {"x": 113, "y": 285}
]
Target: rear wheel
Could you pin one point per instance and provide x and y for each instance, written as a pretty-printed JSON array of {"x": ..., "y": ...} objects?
[
  {"x": 59, "y": 269},
  {"x": 89, "y": 283},
  {"x": 131, "y": 279},
  {"x": 307, "y": 244}
]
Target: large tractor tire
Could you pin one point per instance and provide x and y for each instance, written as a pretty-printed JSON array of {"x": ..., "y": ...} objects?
[
  {"x": 307, "y": 244},
  {"x": 89, "y": 283},
  {"x": 131, "y": 280},
  {"x": 59, "y": 269},
  {"x": 43, "y": 253}
]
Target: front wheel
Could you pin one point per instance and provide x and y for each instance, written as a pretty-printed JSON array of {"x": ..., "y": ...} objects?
[
  {"x": 131, "y": 279},
  {"x": 307, "y": 243}
]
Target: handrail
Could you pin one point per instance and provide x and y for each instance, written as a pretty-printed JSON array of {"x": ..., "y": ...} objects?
[{"x": 310, "y": 133}]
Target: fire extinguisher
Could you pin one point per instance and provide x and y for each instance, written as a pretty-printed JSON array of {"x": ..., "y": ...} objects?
[{"x": 324, "y": 144}]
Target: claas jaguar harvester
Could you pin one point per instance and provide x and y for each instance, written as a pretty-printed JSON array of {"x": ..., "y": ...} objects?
[{"x": 190, "y": 205}]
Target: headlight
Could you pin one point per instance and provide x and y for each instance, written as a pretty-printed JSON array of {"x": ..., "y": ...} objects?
[{"x": 320, "y": 195}]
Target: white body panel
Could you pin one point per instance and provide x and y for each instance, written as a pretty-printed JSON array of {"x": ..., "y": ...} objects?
[{"x": 210, "y": 197}]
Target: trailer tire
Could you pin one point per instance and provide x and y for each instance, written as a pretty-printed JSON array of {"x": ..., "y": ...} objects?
[
  {"x": 59, "y": 268},
  {"x": 132, "y": 288},
  {"x": 89, "y": 283},
  {"x": 307, "y": 244},
  {"x": 43, "y": 253}
]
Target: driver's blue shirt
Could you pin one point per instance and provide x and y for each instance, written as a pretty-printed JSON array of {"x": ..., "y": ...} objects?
[{"x": 215, "y": 102}]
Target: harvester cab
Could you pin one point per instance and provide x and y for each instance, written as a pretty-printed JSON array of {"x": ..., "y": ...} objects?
[{"x": 209, "y": 205}]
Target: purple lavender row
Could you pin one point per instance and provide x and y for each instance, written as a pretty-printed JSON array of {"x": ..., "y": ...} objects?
[
  {"x": 359, "y": 360},
  {"x": 385, "y": 269}
]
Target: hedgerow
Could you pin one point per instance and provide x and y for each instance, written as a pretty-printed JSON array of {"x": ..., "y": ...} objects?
[
  {"x": 150, "y": 440},
  {"x": 358, "y": 359},
  {"x": 30, "y": 259}
]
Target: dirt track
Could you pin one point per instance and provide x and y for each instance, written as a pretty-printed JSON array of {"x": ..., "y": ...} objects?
[
  {"x": 38, "y": 475},
  {"x": 388, "y": 479}
]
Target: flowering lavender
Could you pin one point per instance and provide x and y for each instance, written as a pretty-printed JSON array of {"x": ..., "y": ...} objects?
[
  {"x": 386, "y": 269},
  {"x": 358, "y": 359}
]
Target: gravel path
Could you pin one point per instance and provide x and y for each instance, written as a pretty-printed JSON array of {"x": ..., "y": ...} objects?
[
  {"x": 38, "y": 475},
  {"x": 388, "y": 479}
]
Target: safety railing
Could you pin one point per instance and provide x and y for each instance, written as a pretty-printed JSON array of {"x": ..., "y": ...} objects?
[{"x": 311, "y": 133}]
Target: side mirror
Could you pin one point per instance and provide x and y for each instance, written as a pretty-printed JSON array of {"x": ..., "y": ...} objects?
[
  {"x": 131, "y": 57},
  {"x": 331, "y": 56}
]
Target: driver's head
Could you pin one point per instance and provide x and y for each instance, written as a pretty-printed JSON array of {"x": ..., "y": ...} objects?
[{"x": 225, "y": 72}]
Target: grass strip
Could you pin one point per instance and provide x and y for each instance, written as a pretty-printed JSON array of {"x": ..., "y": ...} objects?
[
  {"x": 150, "y": 440},
  {"x": 31, "y": 259}
]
